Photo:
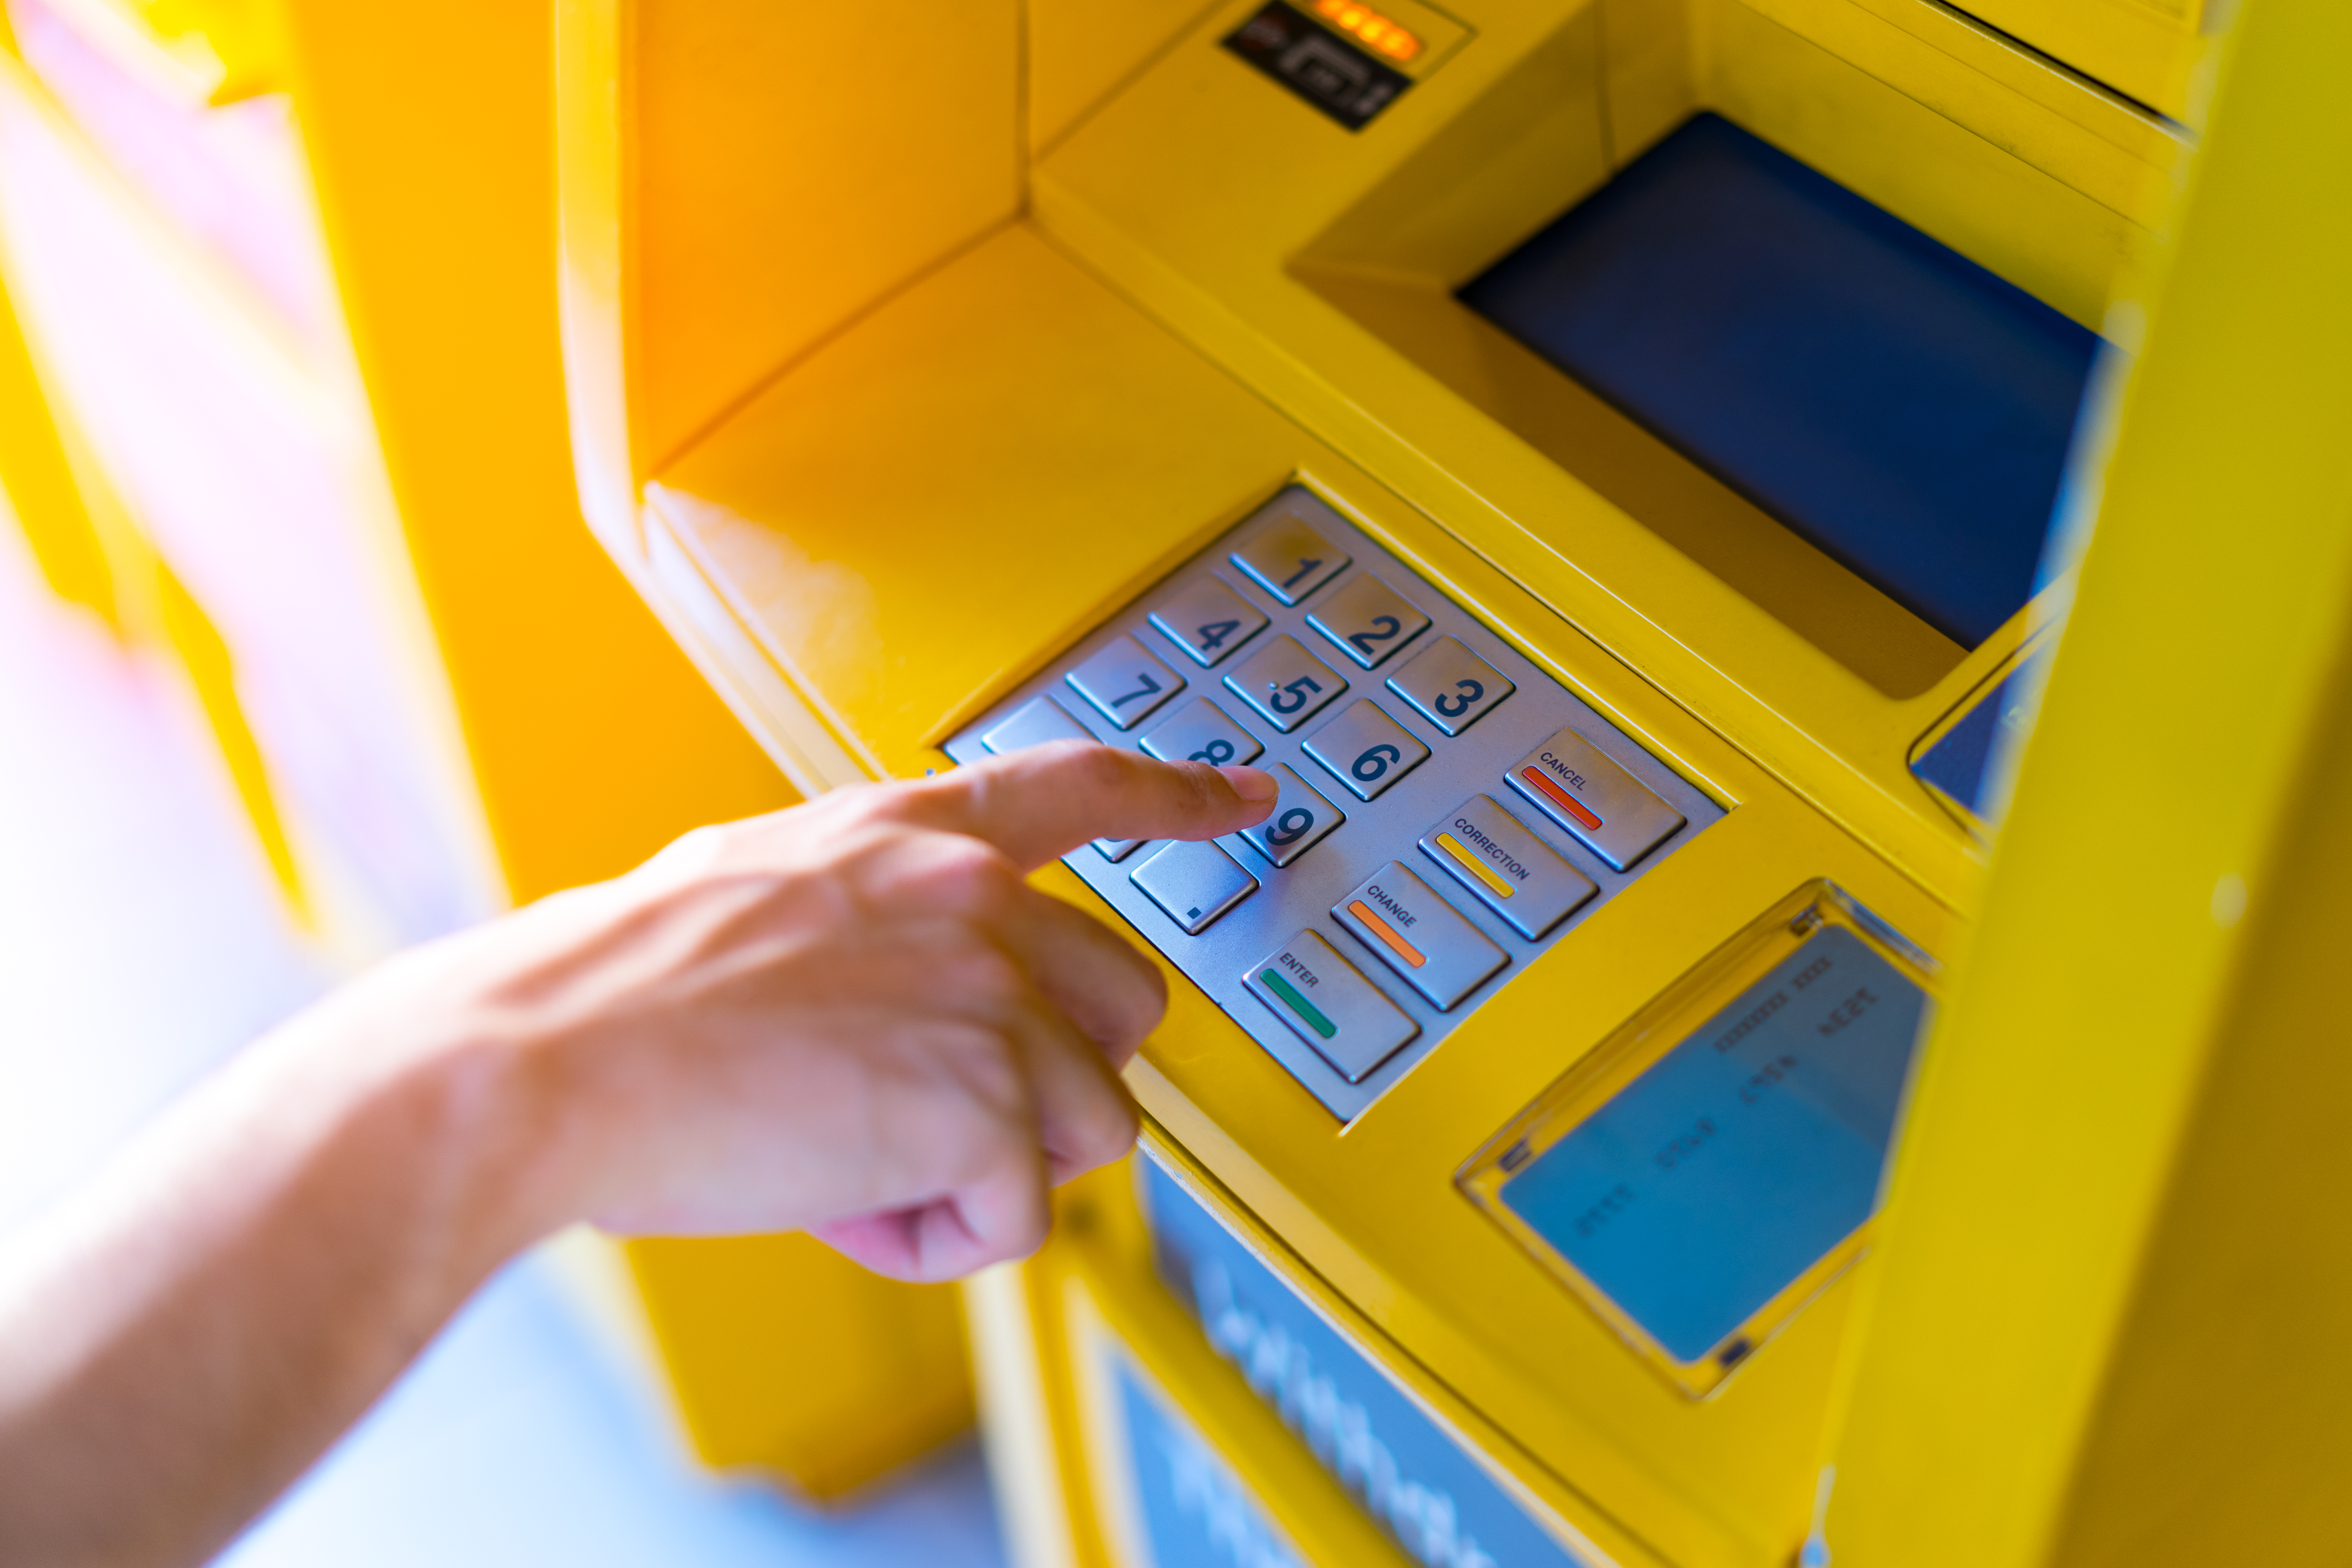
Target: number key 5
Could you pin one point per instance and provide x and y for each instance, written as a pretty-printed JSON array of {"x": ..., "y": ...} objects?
[{"x": 1284, "y": 682}]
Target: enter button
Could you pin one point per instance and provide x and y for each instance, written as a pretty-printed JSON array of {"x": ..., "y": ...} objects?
[
  {"x": 1510, "y": 870},
  {"x": 1419, "y": 935},
  {"x": 1330, "y": 1005}
]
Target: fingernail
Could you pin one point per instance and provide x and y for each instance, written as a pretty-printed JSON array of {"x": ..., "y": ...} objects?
[{"x": 1253, "y": 784}]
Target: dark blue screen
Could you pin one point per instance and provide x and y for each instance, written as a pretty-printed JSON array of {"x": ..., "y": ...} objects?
[{"x": 1898, "y": 406}]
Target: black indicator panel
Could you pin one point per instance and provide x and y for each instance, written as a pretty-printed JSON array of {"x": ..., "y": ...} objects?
[{"x": 1320, "y": 66}]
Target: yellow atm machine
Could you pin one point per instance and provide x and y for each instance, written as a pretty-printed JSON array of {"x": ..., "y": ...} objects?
[{"x": 1599, "y": 455}]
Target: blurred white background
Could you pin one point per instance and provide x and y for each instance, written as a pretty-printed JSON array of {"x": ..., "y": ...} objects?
[{"x": 142, "y": 942}]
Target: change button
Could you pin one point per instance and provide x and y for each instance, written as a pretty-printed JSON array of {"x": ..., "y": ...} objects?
[{"x": 1419, "y": 935}]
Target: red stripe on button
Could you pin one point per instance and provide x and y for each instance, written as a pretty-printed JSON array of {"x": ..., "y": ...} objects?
[{"x": 1566, "y": 802}]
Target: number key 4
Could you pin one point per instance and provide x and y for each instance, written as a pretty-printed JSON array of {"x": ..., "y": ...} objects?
[{"x": 1207, "y": 620}]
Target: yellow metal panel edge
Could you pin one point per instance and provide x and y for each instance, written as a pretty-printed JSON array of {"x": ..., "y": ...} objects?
[
  {"x": 592, "y": 76},
  {"x": 2005, "y": 1282},
  {"x": 1035, "y": 1465},
  {"x": 746, "y": 674},
  {"x": 1563, "y": 1510},
  {"x": 1134, "y": 1315}
]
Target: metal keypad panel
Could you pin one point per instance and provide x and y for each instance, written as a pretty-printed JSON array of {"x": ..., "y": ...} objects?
[{"x": 1413, "y": 865}]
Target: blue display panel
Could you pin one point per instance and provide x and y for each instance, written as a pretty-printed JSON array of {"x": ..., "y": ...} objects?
[
  {"x": 1960, "y": 762},
  {"x": 1901, "y": 407},
  {"x": 1441, "y": 1505},
  {"x": 1195, "y": 1512},
  {"x": 1740, "y": 1158}
]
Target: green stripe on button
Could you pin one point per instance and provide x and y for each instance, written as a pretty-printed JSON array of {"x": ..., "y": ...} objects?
[{"x": 1298, "y": 1004}]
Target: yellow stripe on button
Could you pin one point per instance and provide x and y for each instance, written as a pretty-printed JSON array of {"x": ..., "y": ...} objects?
[{"x": 1475, "y": 867}]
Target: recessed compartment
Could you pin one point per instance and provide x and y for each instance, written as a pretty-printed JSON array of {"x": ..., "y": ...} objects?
[{"x": 1810, "y": 296}]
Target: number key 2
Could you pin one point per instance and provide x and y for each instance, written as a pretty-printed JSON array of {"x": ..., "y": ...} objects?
[
  {"x": 1207, "y": 620},
  {"x": 1368, "y": 620}
]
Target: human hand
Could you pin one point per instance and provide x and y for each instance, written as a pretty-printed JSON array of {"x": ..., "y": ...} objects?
[{"x": 853, "y": 1017}]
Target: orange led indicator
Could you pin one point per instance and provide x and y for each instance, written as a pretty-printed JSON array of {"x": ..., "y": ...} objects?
[{"x": 1369, "y": 28}]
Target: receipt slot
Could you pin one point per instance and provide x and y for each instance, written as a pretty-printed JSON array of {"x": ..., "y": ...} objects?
[{"x": 1595, "y": 457}]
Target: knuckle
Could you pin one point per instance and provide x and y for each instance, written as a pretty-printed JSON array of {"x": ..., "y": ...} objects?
[
  {"x": 1108, "y": 1132},
  {"x": 962, "y": 876},
  {"x": 981, "y": 979}
]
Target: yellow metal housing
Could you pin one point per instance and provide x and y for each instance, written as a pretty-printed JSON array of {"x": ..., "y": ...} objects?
[{"x": 888, "y": 388}]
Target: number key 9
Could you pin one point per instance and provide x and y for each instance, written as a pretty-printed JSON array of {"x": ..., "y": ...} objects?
[{"x": 1300, "y": 821}]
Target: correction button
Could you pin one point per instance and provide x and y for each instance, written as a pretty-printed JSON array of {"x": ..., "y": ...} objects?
[
  {"x": 1286, "y": 683},
  {"x": 1124, "y": 683},
  {"x": 1570, "y": 781},
  {"x": 1507, "y": 869},
  {"x": 1300, "y": 820},
  {"x": 1368, "y": 620},
  {"x": 1419, "y": 935},
  {"x": 1366, "y": 750},
  {"x": 1195, "y": 883},
  {"x": 1207, "y": 620},
  {"x": 1288, "y": 559},
  {"x": 1200, "y": 733},
  {"x": 1330, "y": 1005},
  {"x": 1450, "y": 686}
]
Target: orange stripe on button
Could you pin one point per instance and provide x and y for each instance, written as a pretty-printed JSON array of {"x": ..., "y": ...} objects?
[
  {"x": 1387, "y": 933},
  {"x": 1567, "y": 803}
]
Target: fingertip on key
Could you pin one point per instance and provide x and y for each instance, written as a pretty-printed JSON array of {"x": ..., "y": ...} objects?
[{"x": 1255, "y": 786}]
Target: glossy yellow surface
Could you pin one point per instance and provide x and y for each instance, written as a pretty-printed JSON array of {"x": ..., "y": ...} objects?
[
  {"x": 1210, "y": 291},
  {"x": 594, "y": 740},
  {"x": 92, "y": 552},
  {"x": 590, "y": 740},
  {"x": 2108, "y": 1319},
  {"x": 778, "y": 1347},
  {"x": 2146, "y": 49},
  {"x": 1018, "y": 398}
]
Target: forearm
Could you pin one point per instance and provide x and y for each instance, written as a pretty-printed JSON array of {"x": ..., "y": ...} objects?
[{"x": 182, "y": 1342}]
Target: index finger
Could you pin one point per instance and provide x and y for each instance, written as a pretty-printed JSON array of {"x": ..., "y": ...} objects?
[{"x": 1038, "y": 805}]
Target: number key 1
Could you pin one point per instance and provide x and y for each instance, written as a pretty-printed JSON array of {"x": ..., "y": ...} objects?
[
  {"x": 1207, "y": 620},
  {"x": 1300, "y": 819}
]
